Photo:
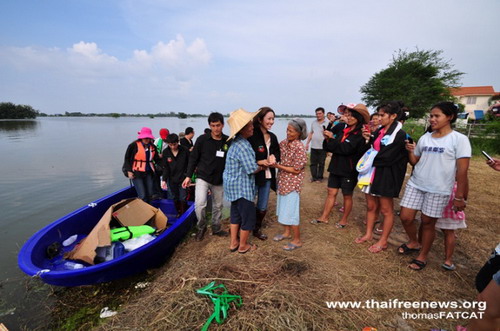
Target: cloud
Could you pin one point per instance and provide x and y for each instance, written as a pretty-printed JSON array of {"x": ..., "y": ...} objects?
[
  {"x": 174, "y": 60},
  {"x": 175, "y": 57}
]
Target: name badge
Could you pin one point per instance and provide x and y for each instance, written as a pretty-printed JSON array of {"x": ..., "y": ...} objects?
[{"x": 219, "y": 154}]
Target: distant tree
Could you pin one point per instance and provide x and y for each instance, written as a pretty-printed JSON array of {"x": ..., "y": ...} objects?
[
  {"x": 8, "y": 110},
  {"x": 419, "y": 79},
  {"x": 182, "y": 115}
]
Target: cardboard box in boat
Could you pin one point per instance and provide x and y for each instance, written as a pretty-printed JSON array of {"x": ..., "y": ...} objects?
[{"x": 128, "y": 212}]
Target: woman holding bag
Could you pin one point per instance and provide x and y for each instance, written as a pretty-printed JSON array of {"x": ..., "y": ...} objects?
[{"x": 382, "y": 181}]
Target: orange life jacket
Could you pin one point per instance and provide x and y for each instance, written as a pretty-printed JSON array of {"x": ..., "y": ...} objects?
[{"x": 140, "y": 158}]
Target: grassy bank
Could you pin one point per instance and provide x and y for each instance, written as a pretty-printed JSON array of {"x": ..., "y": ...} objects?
[{"x": 287, "y": 290}]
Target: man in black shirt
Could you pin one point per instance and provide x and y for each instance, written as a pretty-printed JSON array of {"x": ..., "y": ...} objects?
[
  {"x": 208, "y": 159},
  {"x": 187, "y": 141}
]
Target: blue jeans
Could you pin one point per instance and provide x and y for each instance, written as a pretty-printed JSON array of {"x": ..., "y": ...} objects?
[
  {"x": 262, "y": 193},
  {"x": 144, "y": 186},
  {"x": 178, "y": 193}
]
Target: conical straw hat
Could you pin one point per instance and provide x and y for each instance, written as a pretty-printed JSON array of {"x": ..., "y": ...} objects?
[{"x": 238, "y": 119}]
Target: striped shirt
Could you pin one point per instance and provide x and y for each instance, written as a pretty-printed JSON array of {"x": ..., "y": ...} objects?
[{"x": 238, "y": 178}]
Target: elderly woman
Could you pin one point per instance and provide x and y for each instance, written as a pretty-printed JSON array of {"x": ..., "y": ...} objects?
[
  {"x": 290, "y": 178},
  {"x": 139, "y": 164},
  {"x": 239, "y": 180}
]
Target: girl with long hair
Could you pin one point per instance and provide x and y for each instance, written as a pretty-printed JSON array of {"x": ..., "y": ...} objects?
[
  {"x": 267, "y": 151},
  {"x": 386, "y": 174}
]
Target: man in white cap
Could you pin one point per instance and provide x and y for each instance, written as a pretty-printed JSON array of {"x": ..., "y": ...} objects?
[{"x": 239, "y": 180}]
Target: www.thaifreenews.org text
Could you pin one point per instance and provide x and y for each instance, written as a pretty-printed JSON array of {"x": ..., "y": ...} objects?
[{"x": 477, "y": 308}]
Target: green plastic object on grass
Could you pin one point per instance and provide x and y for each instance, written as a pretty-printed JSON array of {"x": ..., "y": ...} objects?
[
  {"x": 129, "y": 232},
  {"x": 221, "y": 299}
]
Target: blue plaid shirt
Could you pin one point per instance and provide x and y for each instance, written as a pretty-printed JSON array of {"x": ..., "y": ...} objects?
[{"x": 238, "y": 178}]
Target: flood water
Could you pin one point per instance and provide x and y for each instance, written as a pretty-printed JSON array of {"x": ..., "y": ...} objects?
[{"x": 50, "y": 167}]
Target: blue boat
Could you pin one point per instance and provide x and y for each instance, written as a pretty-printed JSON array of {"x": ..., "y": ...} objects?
[{"x": 33, "y": 259}]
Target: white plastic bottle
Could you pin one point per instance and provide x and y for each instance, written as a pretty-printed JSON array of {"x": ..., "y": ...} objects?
[{"x": 70, "y": 265}]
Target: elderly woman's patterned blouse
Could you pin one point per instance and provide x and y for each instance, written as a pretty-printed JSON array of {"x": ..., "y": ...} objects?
[{"x": 293, "y": 154}]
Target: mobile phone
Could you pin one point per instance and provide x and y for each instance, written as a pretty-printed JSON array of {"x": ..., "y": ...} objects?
[
  {"x": 487, "y": 156},
  {"x": 410, "y": 140},
  {"x": 324, "y": 127},
  {"x": 367, "y": 127}
]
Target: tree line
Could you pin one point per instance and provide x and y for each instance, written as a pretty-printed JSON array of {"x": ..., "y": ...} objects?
[{"x": 8, "y": 110}]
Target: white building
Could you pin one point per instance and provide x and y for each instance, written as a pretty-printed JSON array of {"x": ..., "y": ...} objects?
[{"x": 474, "y": 98}]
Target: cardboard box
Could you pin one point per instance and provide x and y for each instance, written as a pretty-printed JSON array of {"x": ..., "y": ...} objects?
[
  {"x": 127, "y": 212},
  {"x": 135, "y": 212}
]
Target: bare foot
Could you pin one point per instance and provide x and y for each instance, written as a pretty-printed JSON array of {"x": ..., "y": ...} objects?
[
  {"x": 360, "y": 240},
  {"x": 377, "y": 248}
]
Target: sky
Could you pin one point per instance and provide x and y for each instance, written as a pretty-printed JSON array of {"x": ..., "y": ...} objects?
[{"x": 154, "y": 56}]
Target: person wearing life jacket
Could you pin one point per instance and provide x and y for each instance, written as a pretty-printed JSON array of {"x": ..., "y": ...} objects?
[{"x": 140, "y": 161}]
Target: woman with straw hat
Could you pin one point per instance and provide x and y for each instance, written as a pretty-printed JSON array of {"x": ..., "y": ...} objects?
[
  {"x": 347, "y": 148},
  {"x": 139, "y": 164},
  {"x": 290, "y": 178},
  {"x": 239, "y": 180}
]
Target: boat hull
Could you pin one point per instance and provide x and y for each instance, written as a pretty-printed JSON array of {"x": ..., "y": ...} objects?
[{"x": 33, "y": 260}]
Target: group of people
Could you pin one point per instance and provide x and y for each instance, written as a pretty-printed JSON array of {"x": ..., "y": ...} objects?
[
  {"x": 156, "y": 164},
  {"x": 370, "y": 151}
]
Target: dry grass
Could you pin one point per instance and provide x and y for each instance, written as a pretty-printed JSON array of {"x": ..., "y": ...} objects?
[{"x": 287, "y": 290}]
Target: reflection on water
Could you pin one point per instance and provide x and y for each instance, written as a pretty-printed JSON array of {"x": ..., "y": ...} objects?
[{"x": 15, "y": 129}]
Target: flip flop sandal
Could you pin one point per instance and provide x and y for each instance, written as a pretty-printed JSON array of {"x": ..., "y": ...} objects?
[
  {"x": 251, "y": 248},
  {"x": 280, "y": 237},
  {"x": 291, "y": 247},
  {"x": 341, "y": 209},
  {"x": 378, "y": 230},
  {"x": 407, "y": 250},
  {"x": 448, "y": 267},
  {"x": 420, "y": 264},
  {"x": 316, "y": 221},
  {"x": 340, "y": 226},
  {"x": 232, "y": 250}
]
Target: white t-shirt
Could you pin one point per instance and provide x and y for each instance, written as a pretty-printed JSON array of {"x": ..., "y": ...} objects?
[
  {"x": 317, "y": 137},
  {"x": 436, "y": 169}
]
